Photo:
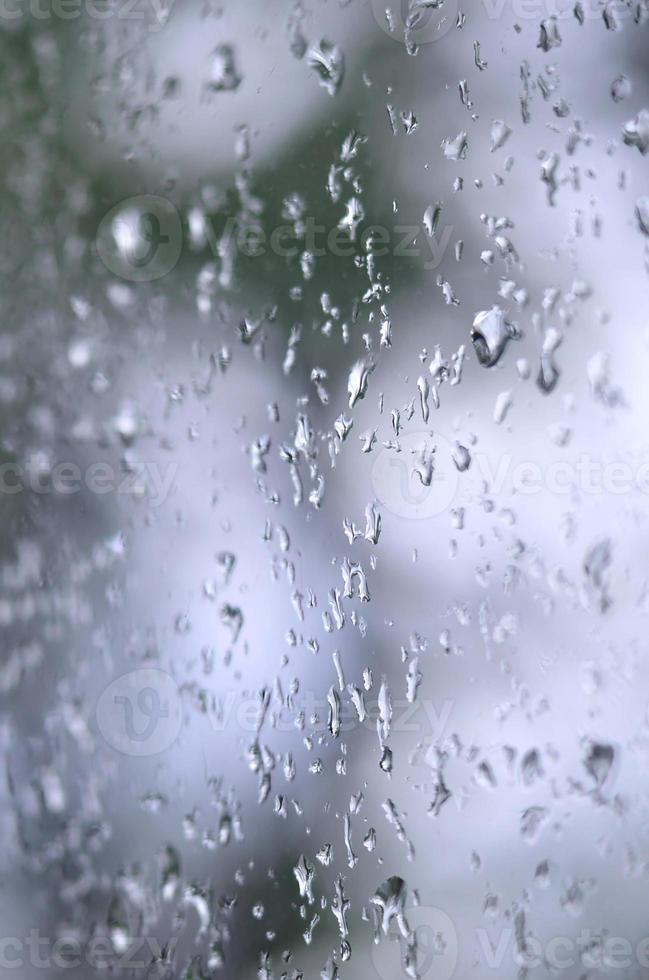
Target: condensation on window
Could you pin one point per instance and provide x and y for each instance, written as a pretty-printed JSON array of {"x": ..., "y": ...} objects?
[{"x": 324, "y": 476}]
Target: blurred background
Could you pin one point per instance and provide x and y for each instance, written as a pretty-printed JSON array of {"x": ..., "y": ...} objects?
[{"x": 324, "y": 476}]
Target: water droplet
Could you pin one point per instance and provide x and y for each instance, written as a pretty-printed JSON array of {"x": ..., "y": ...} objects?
[
  {"x": 636, "y": 132},
  {"x": 224, "y": 76},
  {"x": 621, "y": 88},
  {"x": 490, "y": 334},
  {"x": 328, "y": 62}
]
